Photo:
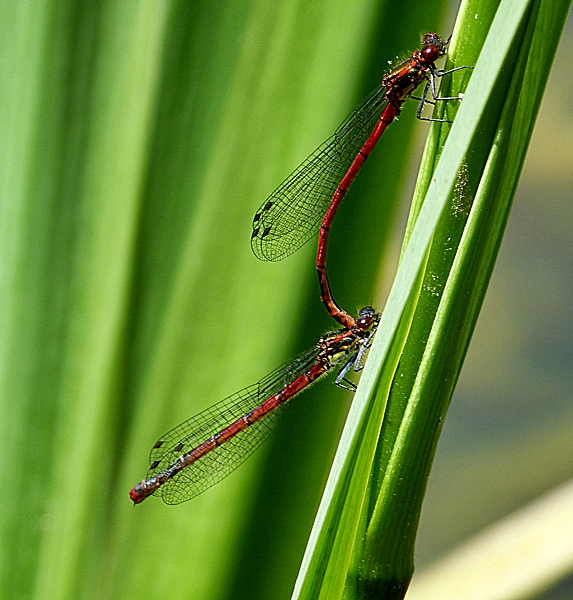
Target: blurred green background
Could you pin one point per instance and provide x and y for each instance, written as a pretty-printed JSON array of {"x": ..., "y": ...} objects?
[{"x": 138, "y": 139}]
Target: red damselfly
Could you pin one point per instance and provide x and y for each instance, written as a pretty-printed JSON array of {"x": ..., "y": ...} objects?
[
  {"x": 203, "y": 450},
  {"x": 311, "y": 195}
]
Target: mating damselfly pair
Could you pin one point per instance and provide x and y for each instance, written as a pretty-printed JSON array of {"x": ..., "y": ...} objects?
[{"x": 203, "y": 450}]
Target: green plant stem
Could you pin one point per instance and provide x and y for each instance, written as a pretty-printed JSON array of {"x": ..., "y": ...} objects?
[{"x": 389, "y": 547}]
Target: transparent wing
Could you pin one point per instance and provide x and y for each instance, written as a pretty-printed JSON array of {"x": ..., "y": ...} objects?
[
  {"x": 291, "y": 215},
  {"x": 218, "y": 463}
]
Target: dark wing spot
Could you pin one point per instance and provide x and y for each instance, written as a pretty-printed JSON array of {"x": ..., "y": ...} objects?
[
  {"x": 268, "y": 205},
  {"x": 158, "y": 444},
  {"x": 154, "y": 464},
  {"x": 266, "y": 232},
  {"x": 179, "y": 447},
  {"x": 256, "y": 217},
  {"x": 255, "y": 233}
]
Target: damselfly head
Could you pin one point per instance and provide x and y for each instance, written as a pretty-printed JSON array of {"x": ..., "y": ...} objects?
[
  {"x": 432, "y": 47},
  {"x": 431, "y": 39},
  {"x": 367, "y": 318}
]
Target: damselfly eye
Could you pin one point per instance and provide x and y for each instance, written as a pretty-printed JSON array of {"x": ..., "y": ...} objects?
[
  {"x": 364, "y": 322},
  {"x": 430, "y": 53}
]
